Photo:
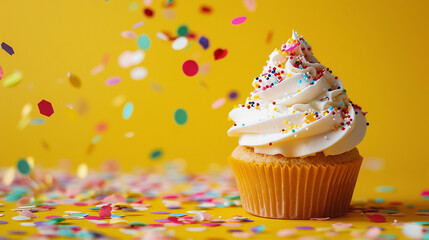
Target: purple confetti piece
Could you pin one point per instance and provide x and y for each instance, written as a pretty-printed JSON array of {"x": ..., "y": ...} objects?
[
  {"x": 129, "y": 209},
  {"x": 304, "y": 227},
  {"x": 113, "y": 81},
  {"x": 160, "y": 212},
  {"x": 234, "y": 230},
  {"x": 138, "y": 24},
  {"x": 16, "y": 232},
  {"x": 204, "y": 42},
  {"x": 3, "y": 222},
  {"x": 174, "y": 207},
  {"x": 162, "y": 220},
  {"x": 7, "y": 48}
]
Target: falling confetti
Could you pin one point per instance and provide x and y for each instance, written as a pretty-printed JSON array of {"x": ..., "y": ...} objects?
[
  {"x": 45, "y": 108},
  {"x": 238, "y": 20},
  {"x": 204, "y": 42},
  {"x": 138, "y": 24},
  {"x": 7, "y": 48},
  {"x": 156, "y": 154},
  {"x": 138, "y": 73},
  {"x": 133, "y": 6},
  {"x": 143, "y": 42},
  {"x": 74, "y": 80},
  {"x": 82, "y": 171},
  {"x": 180, "y": 116},
  {"x": 113, "y": 81},
  {"x": 179, "y": 43},
  {"x": 218, "y": 103},
  {"x": 128, "y": 34},
  {"x": 190, "y": 68},
  {"x": 220, "y": 53},
  {"x": 250, "y": 5},
  {"x": 23, "y": 166},
  {"x": 269, "y": 37},
  {"x": 1, "y": 73},
  {"x": 101, "y": 127},
  {"x": 148, "y": 12},
  {"x": 12, "y": 79},
  {"x": 206, "y": 9},
  {"x": 233, "y": 95},
  {"x": 128, "y": 110},
  {"x": 129, "y": 58},
  {"x": 258, "y": 229},
  {"x": 182, "y": 30}
]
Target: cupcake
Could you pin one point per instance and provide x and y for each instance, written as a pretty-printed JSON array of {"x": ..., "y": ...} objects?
[{"x": 298, "y": 131}]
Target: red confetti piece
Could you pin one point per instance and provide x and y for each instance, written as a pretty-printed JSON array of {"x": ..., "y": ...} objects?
[
  {"x": 190, "y": 68},
  {"x": 377, "y": 218},
  {"x": 7, "y": 48},
  {"x": 220, "y": 53},
  {"x": 206, "y": 9},
  {"x": 105, "y": 211},
  {"x": 423, "y": 193},
  {"x": 45, "y": 108},
  {"x": 148, "y": 12},
  {"x": 238, "y": 20},
  {"x": 101, "y": 127}
]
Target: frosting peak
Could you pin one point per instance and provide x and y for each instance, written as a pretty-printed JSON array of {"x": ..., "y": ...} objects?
[{"x": 298, "y": 108}]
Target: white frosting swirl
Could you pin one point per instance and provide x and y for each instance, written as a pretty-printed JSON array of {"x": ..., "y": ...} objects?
[{"x": 298, "y": 108}]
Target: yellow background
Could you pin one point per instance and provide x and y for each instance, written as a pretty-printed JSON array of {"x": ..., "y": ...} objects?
[{"x": 377, "y": 48}]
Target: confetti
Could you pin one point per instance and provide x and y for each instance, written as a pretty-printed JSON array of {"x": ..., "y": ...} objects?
[
  {"x": 148, "y": 12},
  {"x": 304, "y": 227},
  {"x": 376, "y": 218},
  {"x": 190, "y": 68},
  {"x": 105, "y": 211},
  {"x": 269, "y": 37},
  {"x": 133, "y": 6},
  {"x": 3, "y": 222},
  {"x": 204, "y": 42},
  {"x": 138, "y": 24},
  {"x": 45, "y": 108},
  {"x": 238, "y": 20},
  {"x": 143, "y": 42},
  {"x": 233, "y": 95},
  {"x": 7, "y": 48},
  {"x": 220, "y": 53},
  {"x": 385, "y": 189},
  {"x": 128, "y": 110},
  {"x": 12, "y": 79},
  {"x": 129, "y": 134},
  {"x": 182, "y": 30},
  {"x": 258, "y": 229},
  {"x": 82, "y": 171},
  {"x": 156, "y": 154},
  {"x": 37, "y": 121},
  {"x": 218, "y": 103},
  {"x": 206, "y": 9},
  {"x": 1, "y": 73},
  {"x": 23, "y": 166},
  {"x": 101, "y": 127},
  {"x": 113, "y": 81},
  {"x": 138, "y": 73},
  {"x": 21, "y": 218},
  {"x": 250, "y": 5},
  {"x": 128, "y": 34},
  {"x": 162, "y": 36},
  {"x": 288, "y": 232},
  {"x": 180, "y": 43},
  {"x": 74, "y": 80},
  {"x": 342, "y": 225},
  {"x": 129, "y": 58},
  {"x": 196, "y": 229},
  {"x": 180, "y": 116},
  {"x": 9, "y": 176}
]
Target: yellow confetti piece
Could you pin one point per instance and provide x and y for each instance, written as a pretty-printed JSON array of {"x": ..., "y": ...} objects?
[
  {"x": 74, "y": 80},
  {"x": 30, "y": 161},
  {"x": 118, "y": 100},
  {"x": 12, "y": 79},
  {"x": 26, "y": 110},
  {"x": 40, "y": 198},
  {"x": 82, "y": 171},
  {"x": 23, "y": 123},
  {"x": 9, "y": 176}
]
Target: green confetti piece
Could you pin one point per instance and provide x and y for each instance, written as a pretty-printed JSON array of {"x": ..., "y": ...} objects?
[
  {"x": 156, "y": 154},
  {"x": 182, "y": 30},
  {"x": 421, "y": 223},
  {"x": 128, "y": 110},
  {"x": 23, "y": 166},
  {"x": 390, "y": 210},
  {"x": 177, "y": 214},
  {"x": 95, "y": 208},
  {"x": 12, "y": 79},
  {"x": 232, "y": 197},
  {"x": 66, "y": 233},
  {"x": 137, "y": 224},
  {"x": 54, "y": 221},
  {"x": 180, "y": 116},
  {"x": 143, "y": 42},
  {"x": 387, "y": 236},
  {"x": 385, "y": 189},
  {"x": 132, "y": 199},
  {"x": 79, "y": 214}
]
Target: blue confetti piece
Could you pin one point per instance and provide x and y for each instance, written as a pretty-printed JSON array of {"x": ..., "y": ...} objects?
[
  {"x": 204, "y": 42},
  {"x": 128, "y": 110}
]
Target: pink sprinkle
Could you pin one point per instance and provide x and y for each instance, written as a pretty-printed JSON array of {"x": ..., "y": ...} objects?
[
  {"x": 1, "y": 73},
  {"x": 113, "y": 81},
  {"x": 155, "y": 225},
  {"x": 80, "y": 204},
  {"x": 293, "y": 47},
  {"x": 170, "y": 197},
  {"x": 238, "y": 20},
  {"x": 170, "y": 224}
]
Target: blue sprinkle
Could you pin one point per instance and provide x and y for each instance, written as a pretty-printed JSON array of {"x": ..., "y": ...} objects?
[
  {"x": 299, "y": 81},
  {"x": 331, "y": 108},
  {"x": 341, "y": 103}
]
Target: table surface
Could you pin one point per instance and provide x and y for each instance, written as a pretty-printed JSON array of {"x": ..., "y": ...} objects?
[{"x": 144, "y": 194}]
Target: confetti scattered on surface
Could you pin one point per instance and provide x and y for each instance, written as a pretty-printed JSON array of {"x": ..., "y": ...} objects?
[
  {"x": 148, "y": 12},
  {"x": 220, "y": 53},
  {"x": 250, "y": 5},
  {"x": 128, "y": 110},
  {"x": 190, "y": 68},
  {"x": 138, "y": 73},
  {"x": 129, "y": 58},
  {"x": 204, "y": 42},
  {"x": 113, "y": 81},
  {"x": 180, "y": 116},
  {"x": 128, "y": 34},
  {"x": 106, "y": 211},
  {"x": 12, "y": 79},
  {"x": 258, "y": 229},
  {"x": 143, "y": 42},
  {"x": 7, "y": 48},
  {"x": 74, "y": 80},
  {"x": 23, "y": 166},
  {"x": 206, "y": 9},
  {"x": 238, "y": 20},
  {"x": 45, "y": 108},
  {"x": 385, "y": 189},
  {"x": 377, "y": 218}
]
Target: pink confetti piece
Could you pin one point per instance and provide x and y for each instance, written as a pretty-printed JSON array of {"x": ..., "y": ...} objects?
[
  {"x": 27, "y": 213},
  {"x": 52, "y": 216},
  {"x": 231, "y": 224},
  {"x": 342, "y": 225},
  {"x": 288, "y": 232},
  {"x": 238, "y": 20},
  {"x": 373, "y": 233},
  {"x": 23, "y": 201},
  {"x": 423, "y": 193},
  {"x": 97, "y": 69},
  {"x": 170, "y": 224},
  {"x": 376, "y": 218},
  {"x": 94, "y": 218},
  {"x": 250, "y": 5},
  {"x": 138, "y": 24},
  {"x": 113, "y": 81},
  {"x": 190, "y": 68},
  {"x": 218, "y": 103},
  {"x": 1, "y": 73},
  {"x": 210, "y": 224},
  {"x": 243, "y": 234},
  {"x": 331, "y": 234},
  {"x": 128, "y": 34},
  {"x": 106, "y": 211}
]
